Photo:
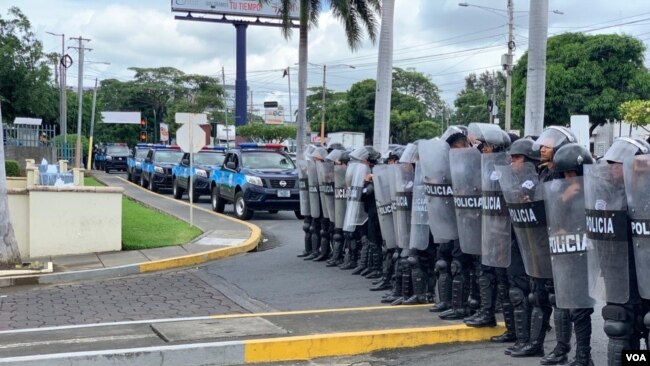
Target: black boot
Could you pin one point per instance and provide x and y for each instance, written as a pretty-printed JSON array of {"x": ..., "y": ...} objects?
[
  {"x": 305, "y": 227},
  {"x": 535, "y": 348},
  {"x": 444, "y": 287},
  {"x": 324, "y": 246},
  {"x": 407, "y": 286},
  {"x": 419, "y": 282},
  {"x": 508, "y": 310},
  {"x": 377, "y": 264},
  {"x": 582, "y": 326},
  {"x": 486, "y": 317},
  {"x": 350, "y": 260},
  {"x": 522, "y": 319},
  {"x": 337, "y": 251},
  {"x": 458, "y": 293},
  {"x": 559, "y": 355},
  {"x": 314, "y": 229},
  {"x": 385, "y": 283},
  {"x": 362, "y": 263},
  {"x": 370, "y": 264},
  {"x": 396, "y": 293}
]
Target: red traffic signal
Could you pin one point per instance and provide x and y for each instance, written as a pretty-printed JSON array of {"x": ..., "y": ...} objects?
[
  {"x": 143, "y": 136},
  {"x": 143, "y": 123}
]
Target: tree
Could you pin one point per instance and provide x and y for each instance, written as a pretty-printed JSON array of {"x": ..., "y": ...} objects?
[
  {"x": 636, "y": 113},
  {"x": 9, "y": 254},
  {"x": 354, "y": 14},
  {"x": 266, "y": 133},
  {"x": 586, "y": 74},
  {"x": 333, "y": 104},
  {"x": 419, "y": 85},
  {"x": 471, "y": 102},
  {"x": 24, "y": 71}
]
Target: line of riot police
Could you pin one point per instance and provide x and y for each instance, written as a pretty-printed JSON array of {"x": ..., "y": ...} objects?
[{"x": 479, "y": 219}]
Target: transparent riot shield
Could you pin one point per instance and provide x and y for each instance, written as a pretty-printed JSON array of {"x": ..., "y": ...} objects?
[
  {"x": 525, "y": 197},
  {"x": 565, "y": 215},
  {"x": 419, "y": 238},
  {"x": 355, "y": 215},
  {"x": 402, "y": 196},
  {"x": 607, "y": 229},
  {"x": 437, "y": 189},
  {"x": 314, "y": 195},
  {"x": 496, "y": 232},
  {"x": 325, "y": 171},
  {"x": 340, "y": 195},
  {"x": 466, "y": 182},
  {"x": 303, "y": 184},
  {"x": 381, "y": 177},
  {"x": 637, "y": 187}
]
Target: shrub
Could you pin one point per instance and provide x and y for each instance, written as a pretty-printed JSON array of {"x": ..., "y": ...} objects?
[{"x": 12, "y": 168}]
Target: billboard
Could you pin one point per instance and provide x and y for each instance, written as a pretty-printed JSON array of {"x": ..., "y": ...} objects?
[
  {"x": 164, "y": 132},
  {"x": 129, "y": 118},
  {"x": 274, "y": 115},
  {"x": 247, "y": 8}
]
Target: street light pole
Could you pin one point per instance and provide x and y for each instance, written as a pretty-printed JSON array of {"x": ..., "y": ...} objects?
[
  {"x": 322, "y": 116},
  {"x": 63, "y": 125},
  {"x": 508, "y": 66}
]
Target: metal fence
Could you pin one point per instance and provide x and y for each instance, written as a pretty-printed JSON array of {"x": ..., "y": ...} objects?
[{"x": 28, "y": 135}]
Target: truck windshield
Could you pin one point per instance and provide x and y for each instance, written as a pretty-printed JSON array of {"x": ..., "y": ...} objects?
[
  {"x": 266, "y": 160},
  {"x": 141, "y": 153},
  {"x": 117, "y": 150},
  {"x": 170, "y": 157},
  {"x": 209, "y": 158}
]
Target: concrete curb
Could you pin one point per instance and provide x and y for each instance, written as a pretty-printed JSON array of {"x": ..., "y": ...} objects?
[
  {"x": 267, "y": 350},
  {"x": 159, "y": 265}
]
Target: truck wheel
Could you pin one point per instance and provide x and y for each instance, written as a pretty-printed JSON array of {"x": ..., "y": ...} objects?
[
  {"x": 129, "y": 177},
  {"x": 152, "y": 186},
  {"x": 218, "y": 204},
  {"x": 242, "y": 211},
  {"x": 176, "y": 190},
  {"x": 143, "y": 182}
]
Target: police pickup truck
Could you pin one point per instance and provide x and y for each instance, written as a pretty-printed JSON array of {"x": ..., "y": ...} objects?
[
  {"x": 157, "y": 167},
  {"x": 206, "y": 160},
  {"x": 256, "y": 177},
  {"x": 112, "y": 156},
  {"x": 134, "y": 162}
]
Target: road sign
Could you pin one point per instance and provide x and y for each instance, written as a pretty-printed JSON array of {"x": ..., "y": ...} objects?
[{"x": 193, "y": 144}]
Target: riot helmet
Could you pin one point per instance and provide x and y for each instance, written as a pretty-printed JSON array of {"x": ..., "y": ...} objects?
[
  {"x": 571, "y": 157},
  {"x": 523, "y": 147},
  {"x": 624, "y": 147},
  {"x": 410, "y": 154},
  {"x": 308, "y": 151},
  {"x": 334, "y": 155},
  {"x": 373, "y": 155},
  {"x": 554, "y": 137},
  {"x": 454, "y": 133},
  {"x": 485, "y": 133},
  {"x": 335, "y": 146},
  {"x": 345, "y": 157},
  {"x": 393, "y": 154},
  {"x": 365, "y": 153}
]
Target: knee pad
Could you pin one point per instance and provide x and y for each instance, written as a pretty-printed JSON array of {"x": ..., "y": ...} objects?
[
  {"x": 306, "y": 225},
  {"x": 395, "y": 256},
  {"x": 413, "y": 261},
  {"x": 551, "y": 299},
  {"x": 533, "y": 298},
  {"x": 456, "y": 267},
  {"x": 442, "y": 266},
  {"x": 337, "y": 236},
  {"x": 617, "y": 324},
  {"x": 313, "y": 230},
  {"x": 646, "y": 320},
  {"x": 517, "y": 296}
]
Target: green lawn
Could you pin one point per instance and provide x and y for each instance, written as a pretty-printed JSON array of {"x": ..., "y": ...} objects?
[{"x": 144, "y": 228}]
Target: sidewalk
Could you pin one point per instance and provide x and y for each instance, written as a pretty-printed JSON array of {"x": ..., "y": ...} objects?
[
  {"x": 222, "y": 237},
  {"x": 237, "y": 339}
]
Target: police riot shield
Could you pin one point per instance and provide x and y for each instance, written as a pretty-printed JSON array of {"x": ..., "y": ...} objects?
[
  {"x": 496, "y": 232},
  {"x": 419, "y": 238},
  {"x": 314, "y": 196},
  {"x": 466, "y": 183},
  {"x": 402, "y": 196},
  {"x": 381, "y": 177},
  {"x": 355, "y": 215},
  {"x": 525, "y": 197},
  {"x": 326, "y": 187},
  {"x": 340, "y": 195},
  {"x": 303, "y": 184},
  {"x": 437, "y": 189},
  {"x": 607, "y": 224},
  {"x": 637, "y": 187},
  {"x": 565, "y": 216}
]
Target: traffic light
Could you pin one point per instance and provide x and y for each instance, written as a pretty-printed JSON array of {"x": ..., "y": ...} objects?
[
  {"x": 143, "y": 124},
  {"x": 143, "y": 130},
  {"x": 143, "y": 136}
]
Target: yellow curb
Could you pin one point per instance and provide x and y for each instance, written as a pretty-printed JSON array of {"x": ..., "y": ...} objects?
[
  {"x": 320, "y": 311},
  {"x": 340, "y": 344},
  {"x": 198, "y": 258}
]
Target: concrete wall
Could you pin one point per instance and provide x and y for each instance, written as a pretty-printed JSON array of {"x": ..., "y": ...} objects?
[
  {"x": 16, "y": 182},
  {"x": 20, "y": 153},
  {"x": 53, "y": 221}
]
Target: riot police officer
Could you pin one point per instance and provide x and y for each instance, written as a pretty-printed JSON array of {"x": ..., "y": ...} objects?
[
  {"x": 305, "y": 209},
  {"x": 340, "y": 159}
]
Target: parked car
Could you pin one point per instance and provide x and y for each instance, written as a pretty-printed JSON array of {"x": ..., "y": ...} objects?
[
  {"x": 134, "y": 162},
  {"x": 115, "y": 157},
  {"x": 256, "y": 177},
  {"x": 157, "y": 167},
  {"x": 207, "y": 160}
]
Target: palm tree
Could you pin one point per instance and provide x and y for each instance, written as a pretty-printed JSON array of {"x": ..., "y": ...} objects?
[
  {"x": 9, "y": 254},
  {"x": 384, "y": 78},
  {"x": 356, "y": 16}
]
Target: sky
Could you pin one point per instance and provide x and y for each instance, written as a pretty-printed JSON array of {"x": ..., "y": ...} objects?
[{"x": 435, "y": 37}]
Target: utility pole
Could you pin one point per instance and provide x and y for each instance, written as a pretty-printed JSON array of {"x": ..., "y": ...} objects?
[
  {"x": 508, "y": 66},
  {"x": 536, "y": 80},
  {"x": 92, "y": 129},
  {"x": 63, "y": 104},
  {"x": 322, "y": 114},
  {"x": 494, "y": 97},
  {"x": 225, "y": 107},
  {"x": 80, "y": 91},
  {"x": 290, "y": 105}
]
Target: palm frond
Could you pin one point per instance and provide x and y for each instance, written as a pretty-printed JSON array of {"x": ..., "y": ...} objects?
[{"x": 367, "y": 12}]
